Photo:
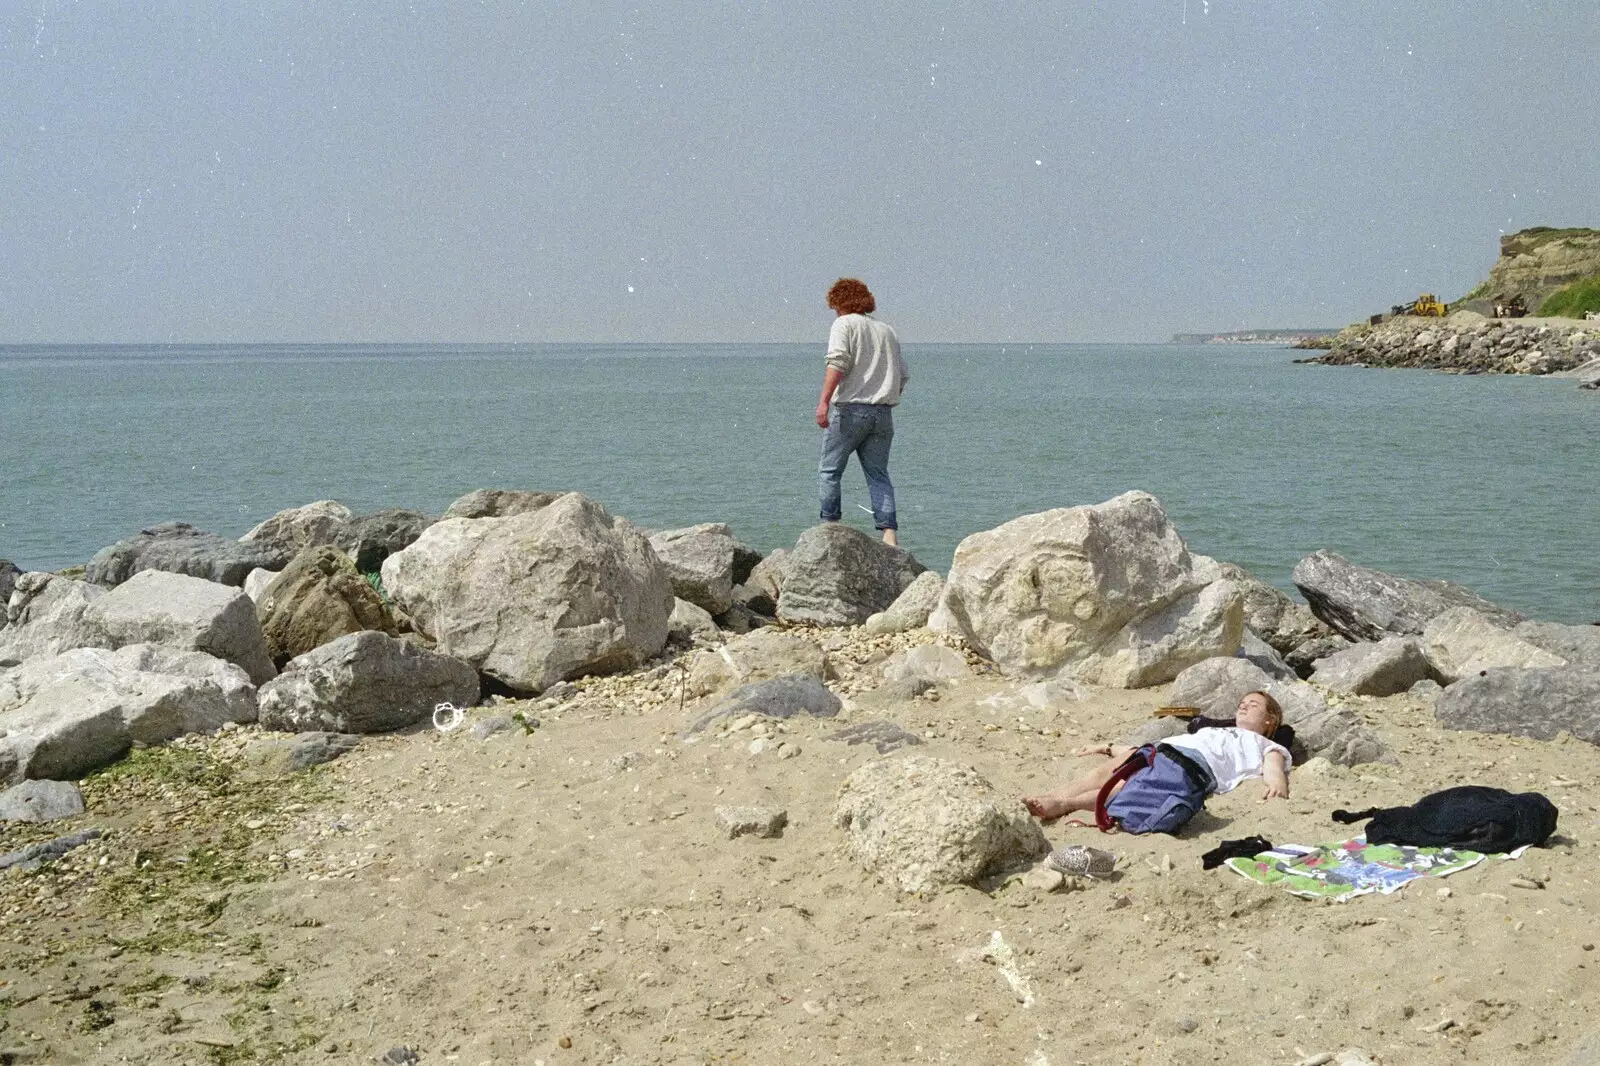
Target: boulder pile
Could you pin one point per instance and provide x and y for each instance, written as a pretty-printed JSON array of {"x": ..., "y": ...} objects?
[{"x": 1469, "y": 343}]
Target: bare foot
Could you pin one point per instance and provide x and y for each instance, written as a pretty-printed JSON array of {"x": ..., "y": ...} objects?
[
  {"x": 1046, "y": 807},
  {"x": 890, "y": 538}
]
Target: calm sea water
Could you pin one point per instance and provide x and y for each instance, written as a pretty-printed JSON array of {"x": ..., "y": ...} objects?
[{"x": 1484, "y": 480}]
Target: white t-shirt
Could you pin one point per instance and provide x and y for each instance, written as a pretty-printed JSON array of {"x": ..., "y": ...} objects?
[
  {"x": 1232, "y": 754},
  {"x": 867, "y": 353}
]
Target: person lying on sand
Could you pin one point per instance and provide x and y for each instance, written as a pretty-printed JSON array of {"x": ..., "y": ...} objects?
[{"x": 1176, "y": 775}]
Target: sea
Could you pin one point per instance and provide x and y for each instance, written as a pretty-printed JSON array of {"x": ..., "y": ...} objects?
[{"x": 1488, "y": 481}]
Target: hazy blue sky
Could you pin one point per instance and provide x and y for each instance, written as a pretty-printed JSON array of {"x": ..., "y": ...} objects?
[{"x": 1024, "y": 170}]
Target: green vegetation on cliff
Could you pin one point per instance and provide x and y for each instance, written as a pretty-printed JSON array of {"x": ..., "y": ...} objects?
[{"x": 1573, "y": 301}]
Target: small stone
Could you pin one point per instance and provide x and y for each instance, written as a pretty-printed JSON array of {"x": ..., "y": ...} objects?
[
  {"x": 758, "y": 745},
  {"x": 1186, "y": 1025},
  {"x": 399, "y": 1056},
  {"x": 488, "y": 727},
  {"x": 752, "y": 821},
  {"x": 1321, "y": 1058},
  {"x": 1524, "y": 882},
  {"x": 788, "y": 751},
  {"x": 972, "y": 1018},
  {"x": 1588, "y": 947},
  {"x": 564, "y": 1043},
  {"x": 1444, "y": 893}
]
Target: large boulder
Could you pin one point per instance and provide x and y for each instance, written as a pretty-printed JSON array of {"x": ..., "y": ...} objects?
[
  {"x": 1273, "y": 616},
  {"x": 1265, "y": 656},
  {"x": 1216, "y": 686},
  {"x": 757, "y": 656},
  {"x": 1578, "y": 645},
  {"x": 1391, "y": 665},
  {"x": 1538, "y": 702},
  {"x": 365, "y": 682},
  {"x": 65, "y": 715},
  {"x": 699, "y": 560},
  {"x": 500, "y": 503},
  {"x": 1366, "y": 604},
  {"x": 318, "y": 598},
  {"x": 1461, "y": 642},
  {"x": 839, "y": 576},
  {"x": 298, "y": 528},
  {"x": 256, "y": 582},
  {"x": 911, "y": 608},
  {"x": 188, "y": 613},
  {"x": 921, "y": 823},
  {"x": 179, "y": 548},
  {"x": 539, "y": 597},
  {"x": 369, "y": 539},
  {"x": 1107, "y": 594},
  {"x": 45, "y": 616}
]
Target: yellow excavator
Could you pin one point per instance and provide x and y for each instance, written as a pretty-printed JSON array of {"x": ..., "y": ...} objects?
[{"x": 1427, "y": 306}]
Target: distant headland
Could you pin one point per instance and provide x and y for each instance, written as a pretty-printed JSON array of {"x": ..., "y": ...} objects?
[{"x": 1254, "y": 336}]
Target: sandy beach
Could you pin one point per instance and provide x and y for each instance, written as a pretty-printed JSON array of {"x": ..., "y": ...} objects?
[{"x": 566, "y": 896}]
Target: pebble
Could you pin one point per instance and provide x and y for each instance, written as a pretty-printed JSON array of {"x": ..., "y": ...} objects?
[
  {"x": 787, "y": 750},
  {"x": 752, "y": 821},
  {"x": 1186, "y": 1025},
  {"x": 1523, "y": 882},
  {"x": 1321, "y": 1058},
  {"x": 564, "y": 1042},
  {"x": 758, "y": 745},
  {"x": 1444, "y": 893}
]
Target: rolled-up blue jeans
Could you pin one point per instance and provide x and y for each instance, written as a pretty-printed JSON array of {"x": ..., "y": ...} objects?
[{"x": 865, "y": 430}]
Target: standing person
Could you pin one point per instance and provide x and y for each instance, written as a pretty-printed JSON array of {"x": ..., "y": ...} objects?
[{"x": 863, "y": 382}]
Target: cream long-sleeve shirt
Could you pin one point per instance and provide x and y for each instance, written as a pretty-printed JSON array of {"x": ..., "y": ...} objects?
[{"x": 867, "y": 353}]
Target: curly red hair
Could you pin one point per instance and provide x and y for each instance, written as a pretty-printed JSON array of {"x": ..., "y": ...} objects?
[{"x": 850, "y": 296}]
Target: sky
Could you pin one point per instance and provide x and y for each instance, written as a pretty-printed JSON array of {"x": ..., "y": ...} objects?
[{"x": 1061, "y": 171}]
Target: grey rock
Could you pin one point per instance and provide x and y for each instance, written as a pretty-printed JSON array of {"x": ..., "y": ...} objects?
[
  {"x": 884, "y": 736},
  {"x": 931, "y": 662},
  {"x": 265, "y": 759},
  {"x": 319, "y": 597},
  {"x": 1365, "y": 604},
  {"x": 1216, "y": 686},
  {"x": 177, "y": 611},
  {"x": 298, "y": 528},
  {"x": 369, "y": 539},
  {"x": 488, "y": 727},
  {"x": 536, "y": 598},
  {"x": 36, "y": 855},
  {"x": 45, "y": 616},
  {"x": 364, "y": 683},
  {"x": 1427, "y": 690},
  {"x": 839, "y": 576},
  {"x": 781, "y": 697},
  {"x": 904, "y": 689},
  {"x": 752, "y": 821},
  {"x": 1304, "y": 658},
  {"x": 179, "y": 548},
  {"x": 699, "y": 560},
  {"x": 65, "y": 715},
  {"x": 1107, "y": 594},
  {"x": 1535, "y": 702},
  {"x": 500, "y": 503},
  {"x": 757, "y": 656},
  {"x": 1393, "y": 664},
  {"x": 689, "y": 624},
  {"x": 1578, "y": 645},
  {"x": 1271, "y": 614},
  {"x": 912, "y": 608},
  {"x": 40, "y": 801},
  {"x": 1264, "y": 655},
  {"x": 1461, "y": 642},
  {"x": 921, "y": 823},
  {"x": 1586, "y": 1052},
  {"x": 400, "y": 1056}
]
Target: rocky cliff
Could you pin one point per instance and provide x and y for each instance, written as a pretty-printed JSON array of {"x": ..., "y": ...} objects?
[{"x": 1534, "y": 264}]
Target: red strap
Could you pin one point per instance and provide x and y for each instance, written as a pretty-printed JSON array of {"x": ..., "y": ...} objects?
[{"x": 1139, "y": 760}]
